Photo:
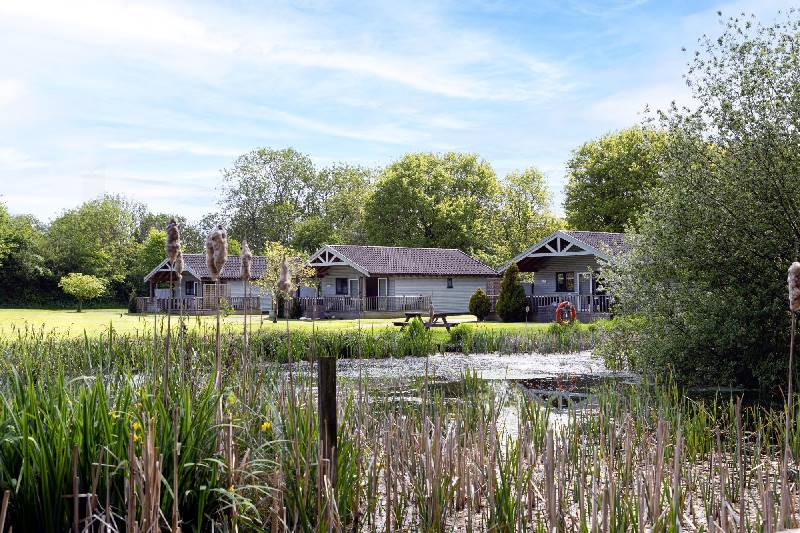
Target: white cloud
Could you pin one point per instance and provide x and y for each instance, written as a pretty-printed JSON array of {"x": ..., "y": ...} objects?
[
  {"x": 13, "y": 159},
  {"x": 627, "y": 107}
]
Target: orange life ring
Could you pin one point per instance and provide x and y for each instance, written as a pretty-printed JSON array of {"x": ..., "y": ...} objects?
[{"x": 561, "y": 307}]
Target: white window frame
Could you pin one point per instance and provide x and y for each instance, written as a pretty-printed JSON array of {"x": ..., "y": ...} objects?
[
  {"x": 350, "y": 287},
  {"x": 386, "y": 286}
]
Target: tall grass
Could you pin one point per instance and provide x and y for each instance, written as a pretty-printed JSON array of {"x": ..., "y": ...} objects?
[{"x": 87, "y": 438}]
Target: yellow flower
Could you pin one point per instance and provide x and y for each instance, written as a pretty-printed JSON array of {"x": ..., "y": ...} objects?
[
  {"x": 231, "y": 399},
  {"x": 137, "y": 426},
  {"x": 137, "y": 437},
  {"x": 231, "y": 488},
  {"x": 266, "y": 426},
  {"x": 114, "y": 415}
]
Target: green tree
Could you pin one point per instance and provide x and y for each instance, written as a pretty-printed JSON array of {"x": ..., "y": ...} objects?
[
  {"x": 611, "y": 179},
  {"x": 708, "y": 268},
  {"x": 148, "y": 255},
  {"x": 96, "y": 238},
  {"x": 511, "y": 300},
  {"x": 83, "y": 287},
  {"x": 434, "y": 200},
  {"x": 26, "y": 277},
  {"x": 299, "y": 272},
  {"x": 479, "y": 304},
  {"x": 266, "y": 192},
  {"x": 523, "y": 215}
]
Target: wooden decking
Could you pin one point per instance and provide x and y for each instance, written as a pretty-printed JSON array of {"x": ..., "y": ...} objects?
[{"x": 194, "y": 305}]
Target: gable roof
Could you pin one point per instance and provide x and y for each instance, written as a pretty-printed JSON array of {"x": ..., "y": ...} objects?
[
  {"x": 195, "y": 264},
  {"x": 396, "y": 260},
  {"x": 604, "y": 245},
  {"x": 614, "y": 243}
]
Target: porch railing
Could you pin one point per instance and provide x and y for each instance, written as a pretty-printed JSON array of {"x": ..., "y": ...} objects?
[
  {"x": 194, "y": 304},
  {"x": 584, "y": 303},
  {"x": 347, "y": 304}
]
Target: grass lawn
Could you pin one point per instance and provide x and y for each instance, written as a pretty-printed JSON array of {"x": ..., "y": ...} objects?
[{"x": 97, "y": 321}]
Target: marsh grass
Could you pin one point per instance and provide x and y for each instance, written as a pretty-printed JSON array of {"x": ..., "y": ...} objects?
[{"x": 87, "y": 437}]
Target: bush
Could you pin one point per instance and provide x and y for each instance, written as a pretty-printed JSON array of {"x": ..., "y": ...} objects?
[
  {"x": 132, "y": 302},
  {"x": 511, "y": 301},
  {"x": 460, "y": 337},
  {"x": 479, "y": 304}
]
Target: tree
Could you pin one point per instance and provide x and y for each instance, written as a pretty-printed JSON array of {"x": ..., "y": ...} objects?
[
  {"x": 610, "y": 180},
  {"x": 300, "y": 273},
  {"x": 266, "y": 192},
  {"x": 479, "y": 304},
  {"x": 148, "y": 255},
  {"x": 707, "y": 273},
  {"x": 434, "y": 200},
  {"x": 83, "y": 287},
  {"x": 96, "y": 238},
  {"x": 26, "y": 277},
  {"x": 523, "y": 215},
  {"x": 511, "y": 300}
]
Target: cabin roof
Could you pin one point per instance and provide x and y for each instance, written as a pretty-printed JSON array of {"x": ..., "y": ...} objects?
[{"x": 397, "y": 260}]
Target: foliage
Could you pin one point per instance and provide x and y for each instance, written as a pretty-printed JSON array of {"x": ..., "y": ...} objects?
[
  {"x": 479, "y": 304},
  {"x": 26, "y": 276},
  {"x": 708, "y": 270},
  {"x": 461, "y": 337},
  {"x": 523, "y": 216},
  {"x": 266, "y": 192},
  {"x": 433, "y": 200},
  {"x": 83, "y": 287},
  {"x": 611, "y": 179},
  {"x": 511, "y": 300},
  {"x": 96, "y": 238},
  {"x": 132, "y": 302}
]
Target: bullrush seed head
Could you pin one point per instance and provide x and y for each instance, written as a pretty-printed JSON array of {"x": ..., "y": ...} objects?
[
  {"x": 173, "y": 244},
  {"x": 284, "y": 284},
  {"x": 246, "y": 262},
  {"x": 178, "y": 265},
  {"x": 794, "y": 287},
  {"x": 216, "y": 251}
]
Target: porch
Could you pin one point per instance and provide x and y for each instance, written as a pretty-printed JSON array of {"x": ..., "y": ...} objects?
[
  {"x": 196, "y": 305},
  {"x": 588, "y": 307},
  {"x": 367, "y": 306},
  {"x": 321, "y": 306}
]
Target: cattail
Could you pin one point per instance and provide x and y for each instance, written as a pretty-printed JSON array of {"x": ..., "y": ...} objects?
[
  {"x": 284, "y": 284},
  {"x": 246, "y": 263},
  {"x": 178, "y": 265},
  {"x": 794, "y": 287},
  {"x": 173, "y": 244},
  {"x": 216, "y": 251}
]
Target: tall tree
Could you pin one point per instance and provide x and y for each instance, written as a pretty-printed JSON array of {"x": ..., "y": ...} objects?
[
  {"x": 26, "y": 277},
  {"x": 523, "y": 215},
  {"x": 341, "y": 195},
  {"x": 266, "y": 192},
  {"x": 610, "y": 180},
  {"x": 428, "y": 199},
  {"x": 708, "y": 269},
  {"x": 96, "y": 238}
]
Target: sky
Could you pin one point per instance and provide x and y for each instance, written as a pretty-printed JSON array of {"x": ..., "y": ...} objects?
[{"x": 152, "y": 99}]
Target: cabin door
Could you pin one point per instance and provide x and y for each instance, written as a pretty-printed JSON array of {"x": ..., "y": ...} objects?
[{"x": 585, "y": 288}]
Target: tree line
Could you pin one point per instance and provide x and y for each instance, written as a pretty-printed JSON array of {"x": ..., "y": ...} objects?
[{"x": 278, "y": 197}]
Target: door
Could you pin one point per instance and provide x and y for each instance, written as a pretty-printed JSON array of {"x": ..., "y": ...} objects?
[
  {"x": 585, "y": 291},
  {"x": 383, "y": 293}
]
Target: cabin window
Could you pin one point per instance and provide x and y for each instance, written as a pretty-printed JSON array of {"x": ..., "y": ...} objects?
[
  {"x": 449, "y": 283},
  {"x": 341, "y": 286},
  {"x": 565, "y": 281},
  {"x": 191, "y": 288}
]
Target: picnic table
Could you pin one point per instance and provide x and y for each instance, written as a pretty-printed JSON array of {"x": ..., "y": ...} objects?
[{"x": 435, "y": 320}]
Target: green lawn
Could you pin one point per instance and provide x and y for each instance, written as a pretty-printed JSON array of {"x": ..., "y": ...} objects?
[{"x": 96, "y": 321}]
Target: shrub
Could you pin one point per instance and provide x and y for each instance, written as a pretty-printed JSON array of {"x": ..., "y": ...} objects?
[
  {"x": 460, "y": 337},
  {"x": 132, "y": 302},
  {"x": 511, "y": 301},
  {"x": 479, "y": 304}
]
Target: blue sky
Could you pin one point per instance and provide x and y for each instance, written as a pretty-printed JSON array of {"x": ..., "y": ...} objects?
[{"x": 151, "y": 100}]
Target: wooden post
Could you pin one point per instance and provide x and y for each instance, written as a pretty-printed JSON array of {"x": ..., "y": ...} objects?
[{"x": 326, "y": 397}]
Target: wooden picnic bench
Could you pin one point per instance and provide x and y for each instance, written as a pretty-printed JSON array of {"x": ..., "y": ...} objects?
[{"x": 435, "y": 320}]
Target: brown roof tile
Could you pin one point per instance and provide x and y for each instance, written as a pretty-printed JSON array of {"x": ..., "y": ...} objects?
[{"x": 413, "y": 261}]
